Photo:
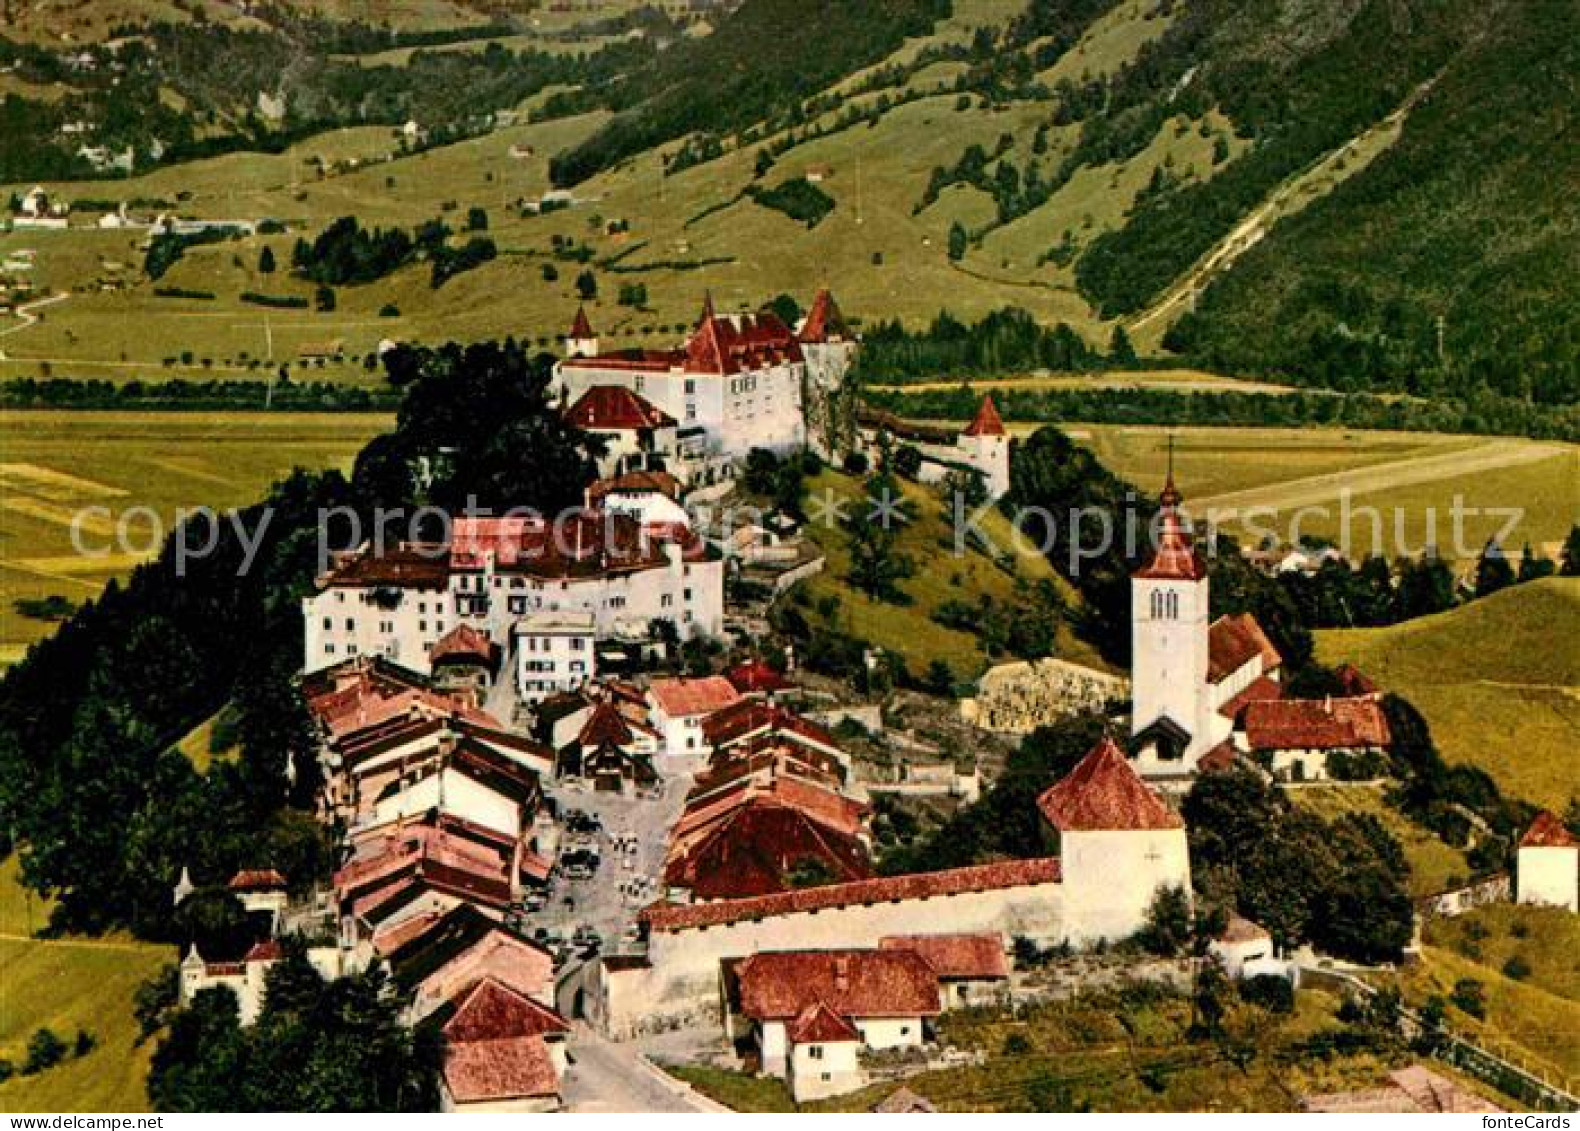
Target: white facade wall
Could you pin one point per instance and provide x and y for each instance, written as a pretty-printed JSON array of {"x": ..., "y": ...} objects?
[
  {"x": 453, "y": 793},
  {"x": 879, "y": 1033},
  {"x": 1110, "y": 879},
  {"x": 1233, "y": 956},
  {"x": 552, "y": 660},
  {"x": 773, "y": 1046},
  {"x": 401, "y": 623},
  {"x": 1549, "y": 876},
  {"x": 741, "y": 411},
  {"x": 824, "y": 1069}
]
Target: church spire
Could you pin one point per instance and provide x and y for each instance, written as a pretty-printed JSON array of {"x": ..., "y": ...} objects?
[{"x": 1176, "y": 558}]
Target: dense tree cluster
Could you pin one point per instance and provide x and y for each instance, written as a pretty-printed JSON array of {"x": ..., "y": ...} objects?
[
  {"x": 315, "y": 1046},
  {"x": 1005, "y": 341},
  {"x": 1480, "y": 413},
  {"x": 1339, "y": 884}
]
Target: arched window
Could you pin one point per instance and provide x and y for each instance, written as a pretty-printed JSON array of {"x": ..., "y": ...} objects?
[
  {"x": 1157, "y": 604},
  {"x": 1174, "y": 606}
]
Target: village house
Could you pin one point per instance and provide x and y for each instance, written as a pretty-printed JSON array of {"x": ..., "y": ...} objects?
[
  {"x": 611, "y": 753},
  {"x": 1413, "y": 1090},
  {"x": 1242, "y": 948},
  {"x": 437, "y": 956},
  {"x": 496, "y": 571},
  {"x": 811, "y": 1012},
  {"x": 503, "y": 1052},
  {"x": 1547, "y": 868},
  {"x": 1303, "y": 739},
  {"x": 554, "y": 654},
  {"x": 679, "y": 707},
  {"x": 465, "y": 659},
  {"x": 971, "y": 969},
  {"x": 637, "y": 436}
]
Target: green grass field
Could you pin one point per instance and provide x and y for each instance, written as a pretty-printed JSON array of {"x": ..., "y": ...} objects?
[
  {"x": 66, "y": 985},
  {"x": 1434, "y": 866},
  {"x": 940, "y": 575},
  {"x": 1498, "y": 679},
  {"x": 58, "y": 464}
]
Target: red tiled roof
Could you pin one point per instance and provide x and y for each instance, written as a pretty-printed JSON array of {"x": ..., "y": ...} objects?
[
  {"x": 408, "y": 566},
  {"x": 987, "y": 421},
  {"x": 923, "y": 885},
  {"x": 585, "y": 543},
  {"x": 745, "y": 717},
  {"x": 581, "y": 328},
  {"x": 634, "y": 482},
  {"x": 1234, "y": 641},
  {"x": 739, "y": 344},
  {"x": 956, "y": 956},
  {"x": 614, "y": 408},
  {"x": 463, "y": 642},
  {"x": 819, "y": 1024},
  {"x": 1547, "y": 831},
  {"x": 512, "y": 1068},
  {"x": 824, "y": 321},
  {"x": 755, "y": 675},
  {"x": 269, "y": 950},
  {"x": 780, "y": 985},
  {"x": 1315, "y": 724},
  {"x": 686, "y": 698},
  {"x": 1219, "y": 758},
  {"x": 1105, "y": 792},
  {"x": 1176, "y": 558},
  {"x": 492, "y": 1011},
  {"x": 257, "y": 879},
  {"x": 1258, "y": 690},
  {"x": 1354, "y": 681}
]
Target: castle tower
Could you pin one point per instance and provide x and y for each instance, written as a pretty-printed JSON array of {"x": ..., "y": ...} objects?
[
  {"x": 985, "y": 445},
  {"x": 581, "y": 341},
  {"x": 1171, "y": 699}
]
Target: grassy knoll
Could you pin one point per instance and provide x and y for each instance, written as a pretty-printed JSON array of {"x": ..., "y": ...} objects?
[
  {"x": 1545, "y": 939},
  {"x": 1100, "y": 1054},
  {"x": 1434, "y": 866},
  {"x": 1498, "y": 679},
  {"x": 58, "y": 463},
  {"x": 1524, "y": 1020},
  {"x": 67, "y": 985},
  {"x": 940, "y": 575}
]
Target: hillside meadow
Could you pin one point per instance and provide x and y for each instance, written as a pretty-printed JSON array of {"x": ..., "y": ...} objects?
[{"x": 1498, "y": 679}]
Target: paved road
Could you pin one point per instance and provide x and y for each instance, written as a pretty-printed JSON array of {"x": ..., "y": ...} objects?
[{"x": 612, "y": 1077}]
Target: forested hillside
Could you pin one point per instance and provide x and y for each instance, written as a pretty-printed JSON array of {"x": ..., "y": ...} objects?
[{"x": 1472, "y": 217}]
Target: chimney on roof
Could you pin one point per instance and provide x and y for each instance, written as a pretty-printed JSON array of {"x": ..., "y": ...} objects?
[{"x": 842, "y": 974}]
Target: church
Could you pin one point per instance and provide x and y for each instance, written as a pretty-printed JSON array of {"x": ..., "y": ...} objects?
[{"x": 1207, "y": 691}]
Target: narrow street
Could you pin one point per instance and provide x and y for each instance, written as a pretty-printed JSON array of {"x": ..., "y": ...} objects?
[{"x": 606, "y": 1076}]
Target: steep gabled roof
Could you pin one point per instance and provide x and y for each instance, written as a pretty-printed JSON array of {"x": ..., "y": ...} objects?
[
  {"x": 492, "y": 1011},
  {"x": 987, "y": 421},
  {"x": 606, "y": 726},
  {"x": 755, "y": 675},
  {"x": 257, "y": 879},
  {"x": 463, "y": 643},
  {"x": 819, "y": 1024},
  {"x": 1547, "y": 831},
  {"x": 581, "y": 328},
  {"x": 824, "y": 322},
  {"x": 1104, "y": 792}
]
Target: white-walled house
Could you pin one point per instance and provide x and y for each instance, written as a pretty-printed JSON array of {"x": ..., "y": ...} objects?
[
  {"x": 398, "y": 603},
  {"x": 1241, "y": 944},
  {"x": 679, "y": 707},
  {"x": 1548, "y": 864},
  {"x": 554, "y": 654},
  {"x": 812, "y": 1011}
]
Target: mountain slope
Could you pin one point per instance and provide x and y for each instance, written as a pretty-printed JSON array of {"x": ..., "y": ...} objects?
[{"x": 1471, "y": 217}]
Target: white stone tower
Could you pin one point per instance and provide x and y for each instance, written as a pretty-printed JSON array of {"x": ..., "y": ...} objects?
[
  {"x": 581, "y": 341},
  {"x": 985, "y": 445},
  {"x": 1171, "y": 721}
]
